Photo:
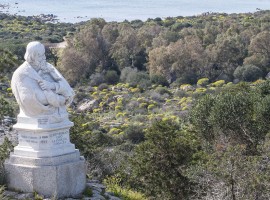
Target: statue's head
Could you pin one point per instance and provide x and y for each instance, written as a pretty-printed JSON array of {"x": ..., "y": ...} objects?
[{"x": 35, "y": 53}]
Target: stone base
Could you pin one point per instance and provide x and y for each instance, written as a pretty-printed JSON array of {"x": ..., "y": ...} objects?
[{"x": 61, "y": 176}]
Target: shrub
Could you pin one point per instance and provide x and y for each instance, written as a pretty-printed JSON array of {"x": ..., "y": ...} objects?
[
  {"x": 151, "y": 107},
  {"x": 126, "y": 72},
  {"x": 113, "y": 185},
  {"x": 158, "y": 162},
  {"x": 186, "y": 87},
  {"x": 248, "y": 73},
  {"x": 5, "y": 108},
  {"x": 140, "y": 79},
  {"x": 5, "y": 148},
  {"x": 203, "y": 82},
  {"x": 112, "y": 77},
  {"x": 103, "y": 86},
  {"x": 135, "y": 78},
  {"x": 55, "y": 39},
  {"x": 97, "y": 79},
  {"x": 134, "y": 133},
  {"x": 219, "y": 83},
  {"x": 187, "y": 78},
  {"x": 162, "y": 90},
  {"x": 159, "y": 80}
]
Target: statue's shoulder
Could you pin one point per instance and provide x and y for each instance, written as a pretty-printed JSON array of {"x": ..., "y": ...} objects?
[{"x": 21, "y": 70}]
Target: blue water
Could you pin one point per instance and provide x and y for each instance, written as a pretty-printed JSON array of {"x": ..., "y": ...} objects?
[{"x": 119, "y": 10}]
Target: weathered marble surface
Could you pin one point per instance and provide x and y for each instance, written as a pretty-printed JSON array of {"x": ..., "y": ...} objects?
[
  {"x": 40, "y": 90},
  {"x": 44, "y": 160}
]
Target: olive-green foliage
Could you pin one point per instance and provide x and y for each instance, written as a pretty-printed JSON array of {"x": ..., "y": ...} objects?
[
  {"x": 231, "y": 174},
  {"x": 97, "y": 79},
  {"x": 5, "y": 108},
  {"x": 86, "y": 136},
  {"x": 111, "y": 77},
  {"x": 140, "y": 79},
  {"x": 88, "y": 192},
  {"x": 5, "y": 148},
  {"x": 103, "y": 86},
  {"x": 158, "y": 163},
  {"x": 159, "y": 80},
  {"x": 162, "y": 90},
  {"x": 113, "y": 185},
  {"x": 37, "y": 196},
  {"x": 134, "y": 133},
  {"x": 2, "y": 195},
  {"x": 239, "y": 113},
  {"x": 248, "y": 73},
  {"x": 8, "y": 61},
  {"x": 203, "y": 82}
]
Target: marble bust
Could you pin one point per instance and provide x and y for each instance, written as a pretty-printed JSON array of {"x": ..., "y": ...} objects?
[{"x": 40, "y": 90}]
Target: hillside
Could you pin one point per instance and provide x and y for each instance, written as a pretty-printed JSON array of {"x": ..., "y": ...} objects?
[{"x": 174, "y": 108}]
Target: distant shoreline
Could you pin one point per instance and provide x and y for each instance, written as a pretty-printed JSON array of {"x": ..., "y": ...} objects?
[{"x": 120, "y": 11}]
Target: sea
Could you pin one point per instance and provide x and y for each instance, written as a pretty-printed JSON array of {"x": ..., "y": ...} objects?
[{"x": 119, "y": 10}]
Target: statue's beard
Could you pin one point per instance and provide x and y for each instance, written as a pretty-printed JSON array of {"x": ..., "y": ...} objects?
[
  {"x": 42, "y": 65},
  {"x": 39, "y": 65}
]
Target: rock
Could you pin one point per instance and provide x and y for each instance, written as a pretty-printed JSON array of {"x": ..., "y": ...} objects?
[
  {"x": 114, "y": 198},
  {"x": 88, "y": 105},
  {"x": 110, "y": 196},
  {"x": 24, "y": 196},
  {"x": 10, "y": 193},
  {"x": 99, "y": 190},
  {"x": 97, "y": 197},
  {"x": 7, "y": 121},
  {"x": 2, "y": 130}
]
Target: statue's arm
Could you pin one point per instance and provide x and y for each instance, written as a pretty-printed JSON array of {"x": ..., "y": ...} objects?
[{"x": 31, "y": 102}]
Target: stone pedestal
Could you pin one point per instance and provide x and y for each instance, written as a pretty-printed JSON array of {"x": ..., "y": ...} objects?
[{"x": 46, "y": 162}]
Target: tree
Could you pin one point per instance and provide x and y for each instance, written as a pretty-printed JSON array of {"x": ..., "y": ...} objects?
[
  {"x": 224, "y": 57},
  {"x": 126, "y": 47},
  {"x": 8, "y": 62},
  {"x": 259, "y": 51},
  {"x": 86, "y": 53},
  {"x": 159, "y": 162},
  {"x": 248, "y": 73},
  {"x": 233, "y": 116}
]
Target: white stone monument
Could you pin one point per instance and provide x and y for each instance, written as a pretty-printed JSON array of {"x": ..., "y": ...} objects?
[{"x": 44, "y": 161}]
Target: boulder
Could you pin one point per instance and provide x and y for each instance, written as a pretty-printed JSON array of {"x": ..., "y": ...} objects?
[{"x": 88, "y": 105}]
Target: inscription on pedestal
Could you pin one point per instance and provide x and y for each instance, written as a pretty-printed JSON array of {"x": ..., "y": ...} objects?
[
  {"x": 59, "y": 138},
  {"x": 43, "y": 121},
  {"x": 54, "y": 138}
]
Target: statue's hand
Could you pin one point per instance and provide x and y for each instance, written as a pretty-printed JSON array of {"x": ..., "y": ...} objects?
[{"x": 46, "y": 85}]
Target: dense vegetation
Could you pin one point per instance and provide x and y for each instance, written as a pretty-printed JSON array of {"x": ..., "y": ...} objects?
[
  {"x": 174, "y": 108},
  {"x": 179, "y": 49}
]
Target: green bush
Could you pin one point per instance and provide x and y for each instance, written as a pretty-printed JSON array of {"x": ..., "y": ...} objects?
[
  {"x": 112, "y": 77},
  {"x": 134, "y": 133},
  {"x": 5, "y": 148},
  {"x": 248, "y": 73},
  {"x": 219, "y": 83},
  {"x": 96, "y": 79},
  {"x": 103, "y": 86},
  {"x": 158, "y": 163},
  {"x": 113, "y": 185},
  {"x": 203, "y": 82},
  {"x": 162, "y": 90},
  {"x": 5, "y": 108},
  {"x": 159, "y": 80},
  {"x": 55, "y": 39},
  {"x": 140, "y": 79}
]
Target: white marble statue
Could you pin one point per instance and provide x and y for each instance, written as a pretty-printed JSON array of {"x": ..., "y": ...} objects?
[{"x": 40, "y": 90}]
